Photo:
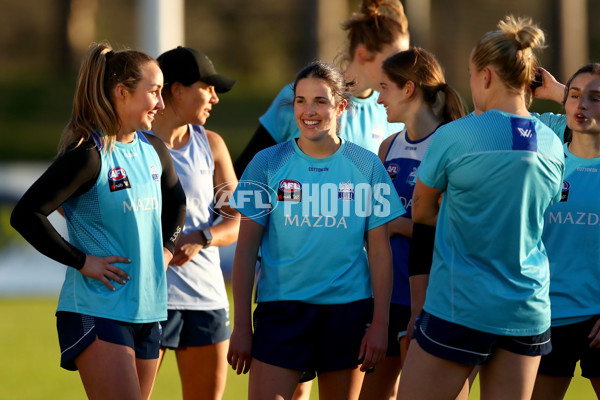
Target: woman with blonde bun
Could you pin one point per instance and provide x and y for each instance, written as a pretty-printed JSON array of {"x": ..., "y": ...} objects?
[{"x": 487, "y": 301}]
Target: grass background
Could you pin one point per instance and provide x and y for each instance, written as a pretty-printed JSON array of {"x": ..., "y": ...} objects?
[
  {"x": 33, "y": 114},
  {"x": 30, "y": 361}
]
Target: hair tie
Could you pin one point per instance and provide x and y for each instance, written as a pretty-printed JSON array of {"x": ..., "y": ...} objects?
[
  {"x": 109, "y": 54},
  {"x": 442, "y": 86}
]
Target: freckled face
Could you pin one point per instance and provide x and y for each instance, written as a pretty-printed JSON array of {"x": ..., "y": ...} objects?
[
  {"x": 582, "y": 105},
  {"x": 315, "y": 109}
]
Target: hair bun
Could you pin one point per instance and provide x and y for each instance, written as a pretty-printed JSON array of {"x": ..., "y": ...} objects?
[
  {"x": 387, "y": 8},
  {"x": 526, "y": 34}
]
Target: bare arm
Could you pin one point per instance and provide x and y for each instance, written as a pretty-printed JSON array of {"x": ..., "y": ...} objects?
[
  {"x": 401, "y": 225},
  {"x": 418, "y": 289},
  {"x": 225, "y": 232},
  {"x": 374, "y": 343},
  {"x": 246, "y": 253},
  {"x": 425, "y": 204}
]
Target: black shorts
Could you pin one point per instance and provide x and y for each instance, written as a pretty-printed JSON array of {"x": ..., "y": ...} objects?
[
  {"x": 464, "y": 345},
  {"x": 310, "y": 337},
  {"x": 399, "y": 318},
  {"x": 570, "y": 343},
  {"x": 77, "y": 331},
  {"x": 195, "y": 328}
]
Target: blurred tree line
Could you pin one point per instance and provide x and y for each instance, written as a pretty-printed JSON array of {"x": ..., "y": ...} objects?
[{"x": 261, "y": 43}]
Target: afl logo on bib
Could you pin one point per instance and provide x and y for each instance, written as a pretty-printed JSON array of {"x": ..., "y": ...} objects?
[
  {"x": 392, "y": 171},
  {"x": 118, "y": 180},
  {"x": 565, "y": 191},
  {"x": 289, "y": 190}
]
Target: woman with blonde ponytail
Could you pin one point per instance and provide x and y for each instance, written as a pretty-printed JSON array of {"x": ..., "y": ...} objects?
[
  {"x": 487, "y": 301},
  {"x": 413, "y": 90},
  {"x": 124, "y": 208}
]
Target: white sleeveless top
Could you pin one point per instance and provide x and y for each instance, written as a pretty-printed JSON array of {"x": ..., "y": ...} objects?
[{"x": 198, "y": 284}]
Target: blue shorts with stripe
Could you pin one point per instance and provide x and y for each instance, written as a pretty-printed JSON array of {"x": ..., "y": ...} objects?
[
  {"x": 464, "y": 345},
  {"x": 77, "y": 331}
]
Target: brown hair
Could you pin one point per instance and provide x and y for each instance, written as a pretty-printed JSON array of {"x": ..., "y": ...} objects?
[
  {"x": 591, "y": 68},
  {"x": 421, "y": 67},
  {"x": 333, "y": 78},
  {"x": 379, "y": 23},
  {"x": 102, "y": 69},
  {"x": 510, "y": 50}
]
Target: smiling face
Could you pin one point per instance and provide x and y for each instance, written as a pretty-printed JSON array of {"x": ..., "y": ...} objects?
[
  {"x": 316, "y": 109},
  {"x": 137, "y": 109},
  {"x": 393, "y": 99},
  {"x": 582, "y": 104}
]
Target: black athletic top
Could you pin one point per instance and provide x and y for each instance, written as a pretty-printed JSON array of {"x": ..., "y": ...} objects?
[{"x": 74, "y": 173}]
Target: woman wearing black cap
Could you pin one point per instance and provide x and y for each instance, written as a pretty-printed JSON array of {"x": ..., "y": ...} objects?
[{"x": 198, "y": 324}]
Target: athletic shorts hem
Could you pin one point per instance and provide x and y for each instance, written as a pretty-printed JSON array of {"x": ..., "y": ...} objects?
[
  {"x": 310, "y": 337},
  {"x": 468, "y": 346},
  {"x": 77, "y": 331},
  {"x": 570, "y": 344},
  {"x": 194, "y": 328}
]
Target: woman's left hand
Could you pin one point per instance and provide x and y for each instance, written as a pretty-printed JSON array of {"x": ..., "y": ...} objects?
[
  {"x": 374, "y": 346},
  {"x": 188, "y": 246}
]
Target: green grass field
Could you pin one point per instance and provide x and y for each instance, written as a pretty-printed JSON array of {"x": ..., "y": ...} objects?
[
  {"x": 36, "y": 112},
  {"x": 29, "y": 369}
]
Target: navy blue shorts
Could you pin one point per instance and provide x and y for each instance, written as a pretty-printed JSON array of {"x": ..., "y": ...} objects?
[
  {"x": 195, "y": 328},
  {"x": 464, "y": 345},
  {"x": 77, "y": 331},
  {"x": 570, "y": 343},
  {"x": 310, "y": 337},
  {"x": 399, "y": 318}
]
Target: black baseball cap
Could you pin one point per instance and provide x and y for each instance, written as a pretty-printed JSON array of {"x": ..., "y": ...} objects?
[{"x": 187, "y": 65}]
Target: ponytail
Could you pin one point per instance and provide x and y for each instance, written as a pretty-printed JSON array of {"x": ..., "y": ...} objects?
[{"x": 102, "y": 69}]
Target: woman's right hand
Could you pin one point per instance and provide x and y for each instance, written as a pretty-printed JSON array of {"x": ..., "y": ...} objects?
[
  {"x": 101, "y": 268},
  {"x": 551, "y": 89},
  {"x": 239, "y": 355}
]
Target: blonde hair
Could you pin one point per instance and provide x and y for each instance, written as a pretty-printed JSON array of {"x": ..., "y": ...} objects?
[
  {"x": 421, "y": 67},
  {"x": 379, "y": 23},
  {"x": 102, "y": 69},
  {"x": 510, "y": 50}
]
